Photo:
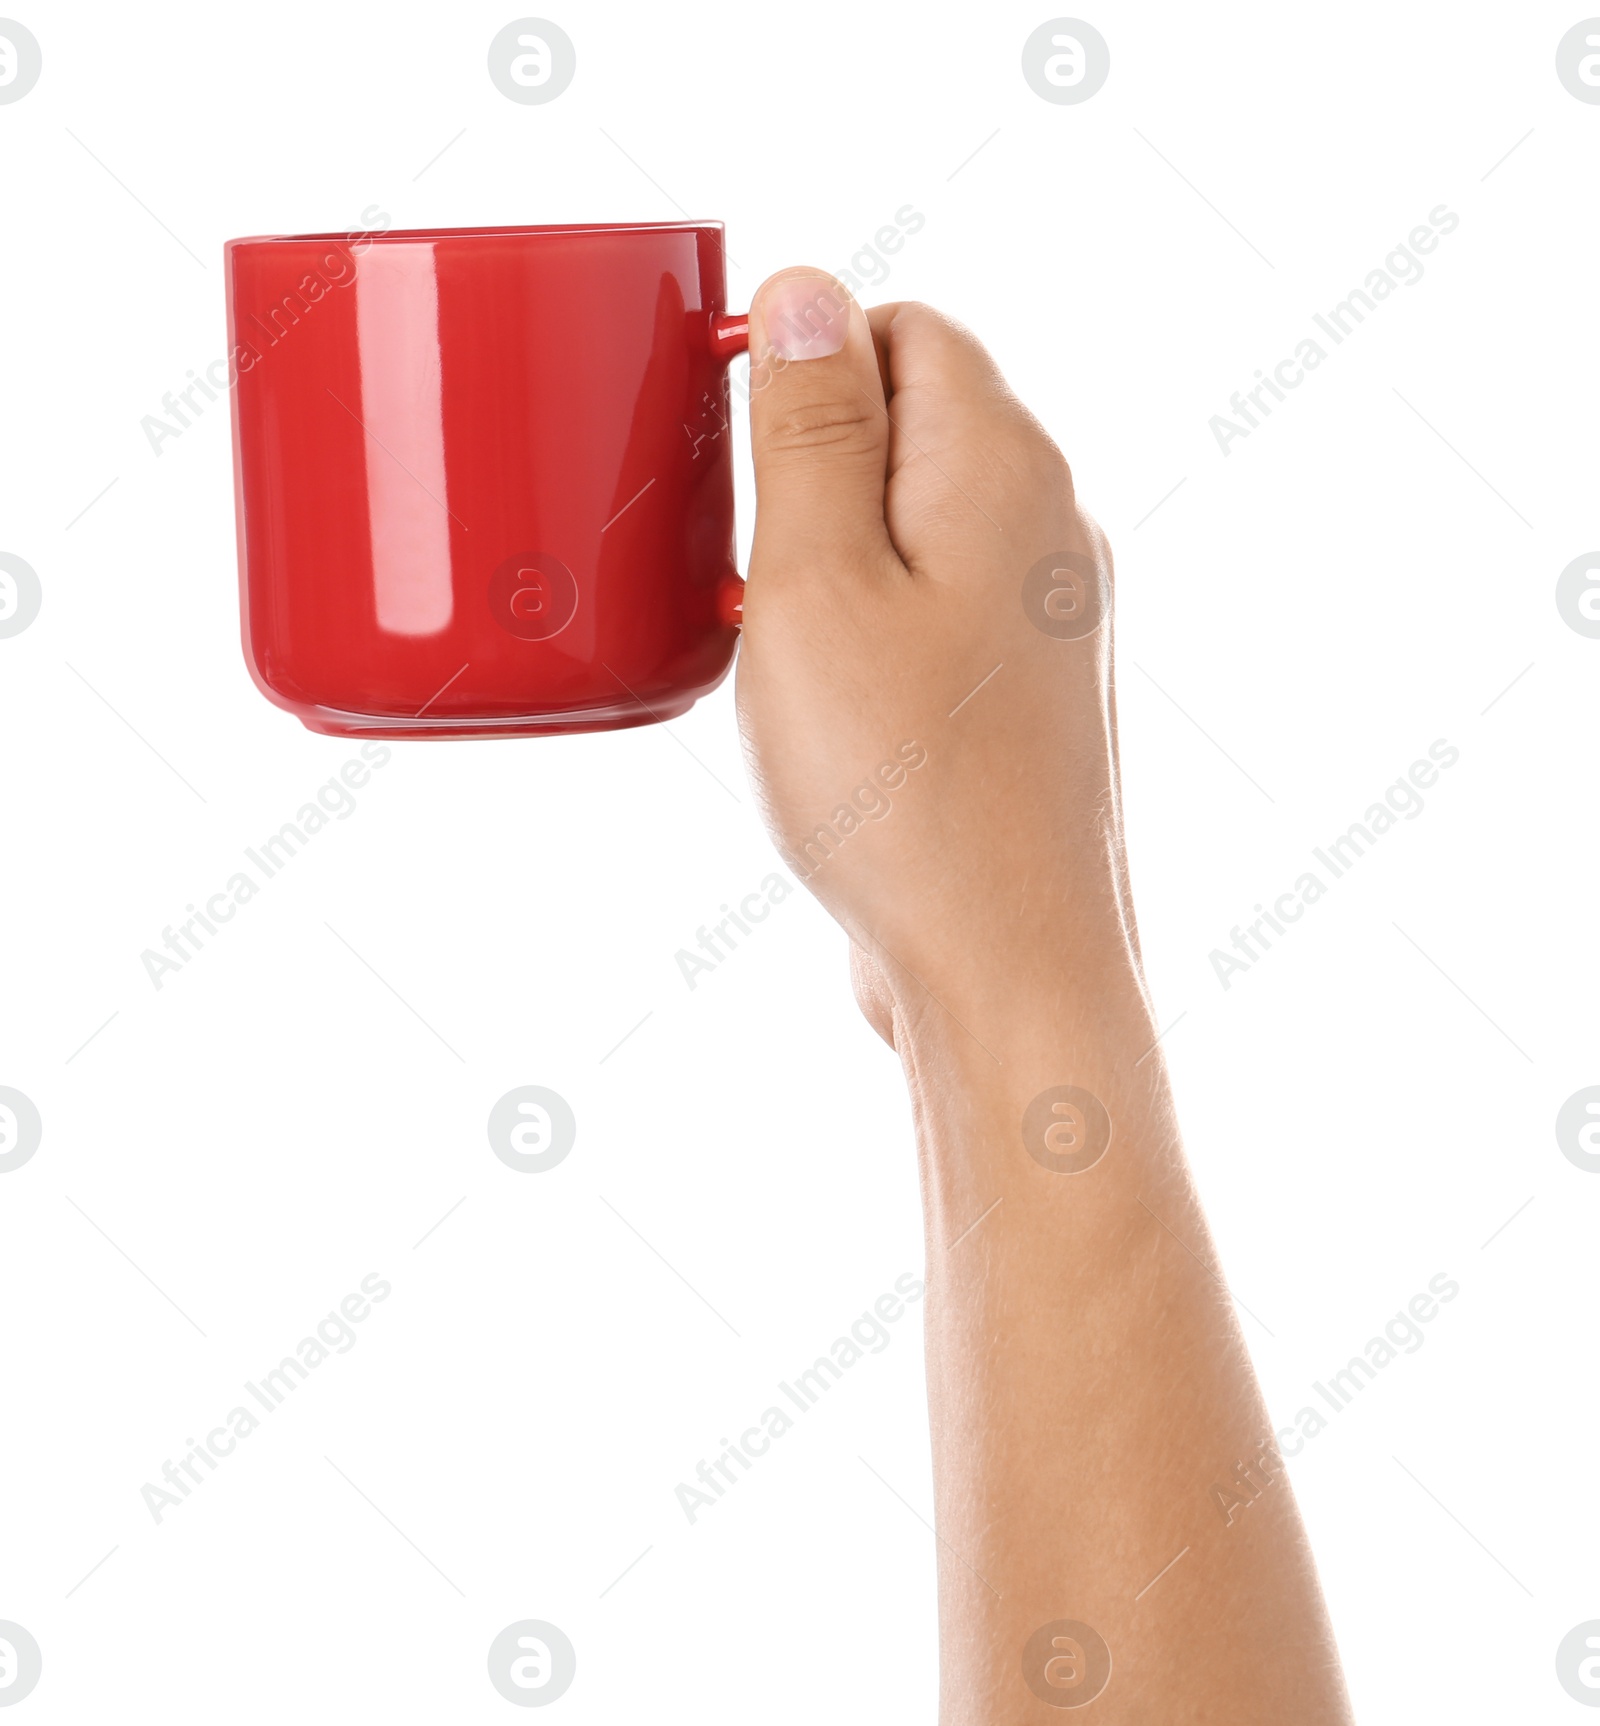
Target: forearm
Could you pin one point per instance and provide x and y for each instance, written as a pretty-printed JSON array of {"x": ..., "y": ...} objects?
[{"x": 1088, "y": 1382}]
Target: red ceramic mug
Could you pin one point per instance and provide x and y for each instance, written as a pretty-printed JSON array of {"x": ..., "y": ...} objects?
[{"x": 483, "y": 476}]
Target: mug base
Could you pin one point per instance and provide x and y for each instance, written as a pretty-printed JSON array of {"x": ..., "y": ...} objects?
[{"x": 330, "y": 722}]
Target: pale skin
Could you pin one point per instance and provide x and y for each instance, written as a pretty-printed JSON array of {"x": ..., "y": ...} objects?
[{"x": 1088, "y": 1383}]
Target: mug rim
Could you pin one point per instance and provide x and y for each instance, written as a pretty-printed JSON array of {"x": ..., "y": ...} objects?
[{"x": 521, "y": 230}]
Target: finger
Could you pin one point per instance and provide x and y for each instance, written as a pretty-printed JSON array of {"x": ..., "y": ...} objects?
[
  {"x": 880, "y": 349},
  {"x": 818, "y": 430},
  {"x": 966, "y": 459},
  {"x": 930, "y": 360}
]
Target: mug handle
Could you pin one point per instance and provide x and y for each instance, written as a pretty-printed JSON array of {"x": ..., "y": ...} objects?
[{"x": 729, "y": 336}]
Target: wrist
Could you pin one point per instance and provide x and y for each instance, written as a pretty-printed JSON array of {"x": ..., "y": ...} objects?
[
  {"x": 1042, "y": 1085},
  {"x": 1009, "y": 1036},
  {"x": 1071, "y": 990}
]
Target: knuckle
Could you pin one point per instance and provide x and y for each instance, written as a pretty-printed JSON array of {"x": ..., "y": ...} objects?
[
  {"x": 839, "y": 427},
  {"x": 923, "y": 319},
  {"x": 915, "y": 312},
  {"x": 1021, "y": 446},
  {"x": 946, "y": 340}
]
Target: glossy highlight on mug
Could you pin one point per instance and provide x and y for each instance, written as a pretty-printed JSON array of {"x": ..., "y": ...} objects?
[{"x": 483, "y": 475}]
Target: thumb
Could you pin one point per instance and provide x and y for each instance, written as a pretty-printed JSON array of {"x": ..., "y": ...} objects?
[{"x": 819, "y": 431}]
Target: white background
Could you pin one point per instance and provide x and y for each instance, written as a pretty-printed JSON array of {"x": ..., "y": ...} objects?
[{"x": 275, "y": 1123}]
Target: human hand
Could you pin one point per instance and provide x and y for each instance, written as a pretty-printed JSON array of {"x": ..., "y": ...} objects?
[{"x": 924, "y": 681}]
